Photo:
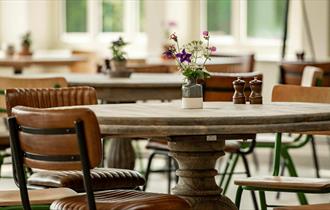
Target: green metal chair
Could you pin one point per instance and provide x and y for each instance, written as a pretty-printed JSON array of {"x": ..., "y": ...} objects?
[{"x": 289, "y": 93}]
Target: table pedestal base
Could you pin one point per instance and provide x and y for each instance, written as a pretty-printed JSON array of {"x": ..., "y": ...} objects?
[
  {"x": 196, "y": 158},
  {"x": 121, "y": 154}
]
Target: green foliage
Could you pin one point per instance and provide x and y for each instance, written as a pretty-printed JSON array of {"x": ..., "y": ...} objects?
[
  {"x": 26, "y": 39},
  {"x": 199, "y": 73},
  {"x": 117, "y": 50},
  {"x": 76, "y": 15}
]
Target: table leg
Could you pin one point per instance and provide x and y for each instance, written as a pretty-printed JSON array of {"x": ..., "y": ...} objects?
[
  {"x": 196, "y": 158},
  {"x": 121, "y": 154}
]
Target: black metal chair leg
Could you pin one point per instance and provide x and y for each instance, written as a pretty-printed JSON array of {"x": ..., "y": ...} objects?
[
  {"x": 148, "y": 170},
  {"x": 315, "y": 158},
  {"x": 248, "y": 174},
  {"x": 169, "y": 174}
]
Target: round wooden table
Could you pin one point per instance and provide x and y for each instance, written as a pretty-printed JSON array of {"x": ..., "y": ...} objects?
[{"x": 196, "y": 137}]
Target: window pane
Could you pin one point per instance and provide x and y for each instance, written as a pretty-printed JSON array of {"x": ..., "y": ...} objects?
[
  {"x": 219, "y": 16},
  {"x": 112, "y": 15},
  {"x": 76, "y": 15},
  {"x": 265, "y": 18},
  {"x": 141, "y": 16}
]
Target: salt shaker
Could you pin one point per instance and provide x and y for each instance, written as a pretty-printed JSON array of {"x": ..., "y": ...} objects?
[
  {"x": 239, "y": 97},
  {"x": 256, "y": 87}
]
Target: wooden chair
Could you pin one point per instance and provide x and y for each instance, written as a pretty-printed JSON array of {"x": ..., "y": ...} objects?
[
  {"x": 312, "y": 76},
  {"x": 291, "y": 72},
  {"x": 88, "y": 66},
  {"x": 12, "y": 82},
  {"x": 102, "y": 178},
  {"x": 70, "y": 139},
  {"x": 325, "y": 206},
  {"x": 247, "y": 64},
  {"x": 289, "y": 93},
  {"x": 149, "y": 69}
]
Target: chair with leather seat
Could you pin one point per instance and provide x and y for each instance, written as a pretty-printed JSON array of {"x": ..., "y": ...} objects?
[
  {"x": 69, "y": 139},
  {"x": 218, "y": 87},
  {"x": 13, "y": 82},
  {"x": 102, "y": 178},
  {"x": 289, "y": 93}
]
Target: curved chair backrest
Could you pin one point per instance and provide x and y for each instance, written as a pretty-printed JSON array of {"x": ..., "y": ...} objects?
[
  {"x": 48, "y": 139},
  {"x": 312, "y": 76},
  {"x": 87, "y": 66},
  {"x": 296, "y": 93},
  {"x": 291, "y": 72},
  {"x": 149, "y": 68},
  {"x": 220, "y": 86},
  {"x": 246, "y": 63},
  {"x": 50, "y": 97},
  {"x": 12, "y": 82}
]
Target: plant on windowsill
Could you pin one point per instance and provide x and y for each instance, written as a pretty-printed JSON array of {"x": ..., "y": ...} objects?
[
  {"x": 118, "y": 61},
  {"x": 26, "y": 45},
  {"x": 191, "y": 59}
]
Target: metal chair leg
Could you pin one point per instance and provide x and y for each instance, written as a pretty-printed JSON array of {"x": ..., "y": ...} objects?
[
  {"x": 148, "y": 170},
  {"x": 238, "y": 196},
  {"x": 315, "y": 158},
  {"x": 169, "y": 174},
  {"x": 224, "y": 173},
  {"x": 231, "y": 171},
  {"x": 248, "y": 174},
  {"x": 263, "y": 203}
]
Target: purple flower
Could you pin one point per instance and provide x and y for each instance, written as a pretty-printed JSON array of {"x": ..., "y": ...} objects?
[
  {"x": 172, "y": 24},
  {"x": 206, "y": 35},
  {"x": 174, "y": 37},
  {"x": 168, "y": 53},
  {"x": 183, "y": 56},
  {"x": 213, "y": 49}
]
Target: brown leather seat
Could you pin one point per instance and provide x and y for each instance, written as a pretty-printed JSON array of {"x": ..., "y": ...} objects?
[
  {"x": 124, "y": 200},
  {"x": 102, "y": 179},
  {"x": 286, "y": 183},
  {"x": 324, "y": 206}
]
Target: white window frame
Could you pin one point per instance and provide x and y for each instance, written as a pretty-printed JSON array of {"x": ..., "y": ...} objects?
[
  {"x": 94, "y": 32},
  {"x": 239, "y": 39}
]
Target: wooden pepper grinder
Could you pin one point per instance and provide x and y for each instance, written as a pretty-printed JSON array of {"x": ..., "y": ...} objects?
[
  {"x": 256, "y": 87},
  {"x": 239, "y": 86}
]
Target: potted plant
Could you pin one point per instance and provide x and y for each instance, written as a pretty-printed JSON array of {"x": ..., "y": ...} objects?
[
  {"x": 26, "y": 44},
  {"x": 118, "y": 61},
  {"x": 191, "y": 59}
]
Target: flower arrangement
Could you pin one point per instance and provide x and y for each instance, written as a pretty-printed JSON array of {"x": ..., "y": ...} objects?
[
  {"x": 192, "y": 57},
  {"x": 26, "y": 39},
  {"x": 117, "y": 49},
  {"x": 169, "y": 27}
]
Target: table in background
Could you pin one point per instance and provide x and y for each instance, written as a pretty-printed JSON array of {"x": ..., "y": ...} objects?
[
  {"x": 196, "y": 137},
  {"x": 18, "y": 63}
]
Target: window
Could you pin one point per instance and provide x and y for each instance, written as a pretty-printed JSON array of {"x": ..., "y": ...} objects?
[
  {"x": 219, "y": 16},
  {"x": 265, "y": 19},
  {"x": 112, "y": 16},
  {"x": 76, "y": 16}
]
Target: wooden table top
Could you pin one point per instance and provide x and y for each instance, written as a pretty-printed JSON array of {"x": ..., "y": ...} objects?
[
  {"x": 168, "y": 119},
  {"x": 101, "y": 80},
  {"x": 36, "y": 60}
]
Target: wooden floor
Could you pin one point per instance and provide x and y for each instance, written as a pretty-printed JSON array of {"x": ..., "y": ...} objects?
[{"x": 302, "y": 158}]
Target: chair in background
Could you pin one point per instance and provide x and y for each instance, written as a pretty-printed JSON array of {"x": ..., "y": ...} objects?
[
  {"x": 149, "y": 69},
  {"x": 289, "y": 93},
  {"x": 88, "y": 66},
  {"x": 325, "y": 206},
  {"x": 12, "y": 82},
  {"x": 77, "y": 127},
  {"x": 102, "y": 178},
  {"x": 291, "y": 72},
  {"x": 246, "y": 63}
]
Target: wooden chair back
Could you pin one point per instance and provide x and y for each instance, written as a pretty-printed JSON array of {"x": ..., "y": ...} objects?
[
  {"x": 247, "y": 62},
  {"x": 47, "y": 139},
  {"x": 291, "y": 72},
  {"x": 149, "y": 68},
  {"x": 312, "y": 76},
  {"x": 296, "y": 93},
  {"x": 220, "y": 86},
  {"x": 12, "y": 82},
  {"x": 49, "y": 97},
  {"x": 88, "y": 66}
]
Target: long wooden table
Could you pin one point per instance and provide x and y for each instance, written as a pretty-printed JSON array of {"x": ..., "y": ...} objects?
[
  {"x": 196, "y": 137},
  {"x": 18, "y": 63}
]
